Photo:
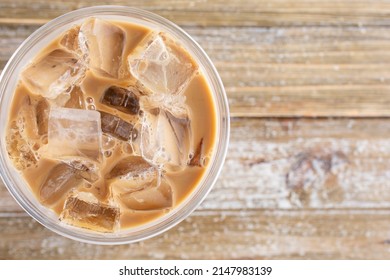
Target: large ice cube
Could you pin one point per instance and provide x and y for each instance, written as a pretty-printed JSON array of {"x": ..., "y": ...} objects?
[
  {"x": 84, "y": 210},
  {"x": 102, "y": 43},
  {"x": 122, "y": 99},
  {"x": 22, "y": 137},
  {"x": 60, "y": 180},
  {"x": 165, "y": 139},
  {"x": 19, "y": 150},
  {"x": 162, "y": 65},
  {"x": 157, "y": 197},
  {"x": 54, "y": 75},
  {"x": 33, "y": 117},
  {"x": 74, "y": 133},
  {"x": 132, "y": 173},
  {"x": 132, "y": 167},
  {"x": 176, "y": 104},
  {"x": 117, "y": 127},
  {"x": 87, "y": 170}
]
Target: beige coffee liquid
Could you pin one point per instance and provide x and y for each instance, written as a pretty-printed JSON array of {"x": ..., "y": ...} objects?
[{"x": 96, "y": 203}]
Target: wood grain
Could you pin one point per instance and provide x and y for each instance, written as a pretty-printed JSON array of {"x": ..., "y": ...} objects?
[
  {"x": 292, "y": 186},
  {"x": 298, "y": 164},
  {"x": 288, "y": 72},
  {"x": 220, "y": 12},
  {"x": 221, "y": 235}
]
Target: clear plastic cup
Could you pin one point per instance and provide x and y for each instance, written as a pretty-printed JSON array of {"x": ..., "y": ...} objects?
[{"x": 8, "y": 81}]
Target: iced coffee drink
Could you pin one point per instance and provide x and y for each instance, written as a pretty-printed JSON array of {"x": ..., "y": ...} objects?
[{"x": 111, "y": 125}]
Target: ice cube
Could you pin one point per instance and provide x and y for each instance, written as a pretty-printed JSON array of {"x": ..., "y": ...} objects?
[
  {"x": 19, "y": 150},
  {"x": 70, "y": 39},
  {"x": 22, "y": 138},
  {"x": 26, "y": 119},
  {"x": 60, "y": 180},
  {"x": 84, "y": 210},
  {"x": 162, "y": 65},
  {"x": 122, "y": 99},
  {"x": 133, "y": 167},
  {"x": 86, "y": 169},
  {"x": 117, "y": 127},
  {"x": 158, "y": 197},
  {"x": 132, "y": 173},
  {"x": 102, "y": 43},
  {"x": 76, "y": 100},
  {"x": 197, "y": 159},
  {"x": 33, "y": 117},
  {"x": 54, "y": 75},
  {"x": 74, "y": 133},
  {"x": 42, "y": 116},
  {"x": 165, "y": 139},
  {"x": 176, "y": 104}
]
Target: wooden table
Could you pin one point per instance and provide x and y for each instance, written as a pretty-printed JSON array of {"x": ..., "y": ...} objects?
[{"x": 307, "y": 173}]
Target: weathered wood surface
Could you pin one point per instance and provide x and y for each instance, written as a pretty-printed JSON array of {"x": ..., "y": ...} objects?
[
  {"x": 218, "y": 12},
  {"x": 288, "y": 71},
  {"x": 243, "y": 234},
  {"x": 291, "y": 188}
]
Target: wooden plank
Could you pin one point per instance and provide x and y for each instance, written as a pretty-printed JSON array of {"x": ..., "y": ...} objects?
[
  {"x": 299, "y": 164},
  {"x": 318, "y": 71},
  {"x": 299, "y": 71},
  {"x": 221, "y": 235},
  {"x": 7, "y": 202},
  {"x": 10, "y": 39},
  {"x": 305, "y": 163},
  {"x": 220, "y": 12}
]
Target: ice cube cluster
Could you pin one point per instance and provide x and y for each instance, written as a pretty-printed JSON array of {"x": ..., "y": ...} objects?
[{"x": 151, "y": 122}]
